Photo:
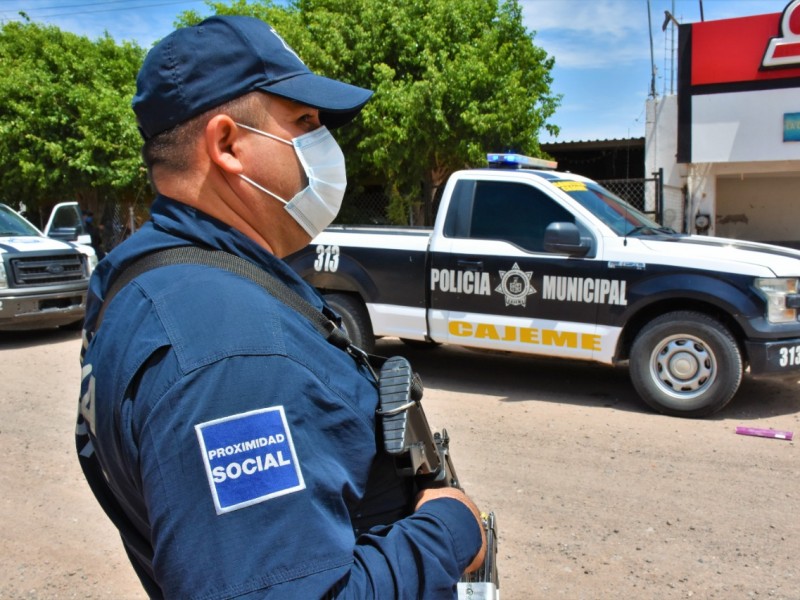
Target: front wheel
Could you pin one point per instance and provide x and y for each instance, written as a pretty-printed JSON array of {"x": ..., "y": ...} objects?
[
  {"x": 685, "y": 364},
  {"x": 355, "y": 319}
]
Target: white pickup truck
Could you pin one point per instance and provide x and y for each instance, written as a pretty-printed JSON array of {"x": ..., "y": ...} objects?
[
  {"x": 43, "y": 280},
  {"x": 527, "y": 259}
]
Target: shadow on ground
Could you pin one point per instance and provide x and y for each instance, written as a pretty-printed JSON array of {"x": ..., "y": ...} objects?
[{"x": 13, "y": 340}]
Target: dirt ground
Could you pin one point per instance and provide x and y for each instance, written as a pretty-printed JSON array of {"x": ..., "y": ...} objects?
[{"x": 595, "y": 496}]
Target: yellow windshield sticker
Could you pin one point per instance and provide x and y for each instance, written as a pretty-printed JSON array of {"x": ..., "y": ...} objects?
[{"x": 570, "y": 186}]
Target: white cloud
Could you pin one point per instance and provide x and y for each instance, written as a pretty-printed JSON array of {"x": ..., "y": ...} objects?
[
  {"x": 611, "y": 18},
  {"x": 589, "y": 34},
  {"x": 595, "y": 34}
]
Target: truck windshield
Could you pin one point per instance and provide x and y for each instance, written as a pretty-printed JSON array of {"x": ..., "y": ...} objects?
[
  {"x": 12, "y": 224},
  {"x": 612, "y": 210}
]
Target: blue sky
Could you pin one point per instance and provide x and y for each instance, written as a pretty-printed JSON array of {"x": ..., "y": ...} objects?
[{"x": 602, "y": 47}]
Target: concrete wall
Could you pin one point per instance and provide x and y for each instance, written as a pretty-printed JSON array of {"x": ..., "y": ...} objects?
[
  {"x": 661, "y": 147},
  {"x": 743, "y": 126}
]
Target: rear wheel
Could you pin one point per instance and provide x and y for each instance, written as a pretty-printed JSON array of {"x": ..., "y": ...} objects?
[
  {"x": 355, "y": 319},
  {"x": 686, "y": 364}
]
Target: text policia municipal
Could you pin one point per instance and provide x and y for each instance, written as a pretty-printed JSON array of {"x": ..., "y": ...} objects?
[{"x": 564, "y": 289}]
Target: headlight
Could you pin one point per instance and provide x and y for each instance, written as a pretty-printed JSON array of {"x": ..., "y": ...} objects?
[
  {"x": 3, "y": 278},
  {"x": 91, "y": 261},
  {"x": 776, "y": 292}
]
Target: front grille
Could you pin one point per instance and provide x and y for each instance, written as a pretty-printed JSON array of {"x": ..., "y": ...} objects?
[{"x": 46, "y": 270}]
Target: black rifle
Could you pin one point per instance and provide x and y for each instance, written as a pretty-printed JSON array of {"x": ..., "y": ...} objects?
[{"x": 424, "y": 455}]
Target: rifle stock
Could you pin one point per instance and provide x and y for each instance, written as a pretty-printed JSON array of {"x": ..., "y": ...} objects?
[{"x": 420, "y": 453}]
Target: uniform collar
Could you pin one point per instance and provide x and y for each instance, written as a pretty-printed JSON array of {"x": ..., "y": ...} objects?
[{"x": 173, "y": 223}]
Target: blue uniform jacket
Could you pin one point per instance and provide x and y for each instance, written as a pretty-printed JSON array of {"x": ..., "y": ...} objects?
[{"x": 238, "y": 442}]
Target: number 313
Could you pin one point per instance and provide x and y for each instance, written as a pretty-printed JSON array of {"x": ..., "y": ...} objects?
[
  {"x": 790, "y": 356},
  {"x": 327, "y": 259}
]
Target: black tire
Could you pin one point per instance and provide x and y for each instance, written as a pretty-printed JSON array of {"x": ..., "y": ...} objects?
[
  {"x": 355, "y": 319},
  {"x": 685, "y": 364}
]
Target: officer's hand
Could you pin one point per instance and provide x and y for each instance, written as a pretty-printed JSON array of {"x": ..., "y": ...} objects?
[{"x": 432, "y": 494}]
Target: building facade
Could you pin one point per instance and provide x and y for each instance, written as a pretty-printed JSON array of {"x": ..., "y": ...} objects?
[{"x": 729, "y": 141}]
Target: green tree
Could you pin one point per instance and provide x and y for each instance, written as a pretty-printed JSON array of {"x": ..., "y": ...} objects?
[
  {"x": 66, "y": 127},
  {"x": 453, "y": 81}
]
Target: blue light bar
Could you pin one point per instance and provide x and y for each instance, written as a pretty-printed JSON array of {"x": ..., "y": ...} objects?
[{"x": 519, "y": 161}]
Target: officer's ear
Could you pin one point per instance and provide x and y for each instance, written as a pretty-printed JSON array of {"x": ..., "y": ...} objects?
[{"x": 223, "y": 140}]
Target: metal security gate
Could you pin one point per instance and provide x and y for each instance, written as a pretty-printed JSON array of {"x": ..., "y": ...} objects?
[
  {"x": 369, "y": 207},
  {"x": 645, "y": 194}
]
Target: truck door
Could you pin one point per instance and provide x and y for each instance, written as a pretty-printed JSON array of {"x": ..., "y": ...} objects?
[
  {"x": 492, "y": 284},
  {"x": 66, "y": 224}
]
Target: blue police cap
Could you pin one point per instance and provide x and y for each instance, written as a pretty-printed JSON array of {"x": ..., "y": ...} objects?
[{"x": 196, "y": 68}]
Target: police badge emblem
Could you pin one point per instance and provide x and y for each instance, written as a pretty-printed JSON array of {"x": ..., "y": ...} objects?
[{"x": 515, "y": 285}]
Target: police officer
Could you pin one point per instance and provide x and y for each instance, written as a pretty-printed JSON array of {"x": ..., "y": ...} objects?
[
  {"x": 94, "y": 233},
  {"x": 229, "y": 442}
]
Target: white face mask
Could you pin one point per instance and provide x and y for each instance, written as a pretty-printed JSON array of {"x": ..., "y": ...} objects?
[{"x": 316, "y": 206}]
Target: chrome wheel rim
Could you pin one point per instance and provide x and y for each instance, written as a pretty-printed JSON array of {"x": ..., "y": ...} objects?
[{"x": 683, "y": 366}]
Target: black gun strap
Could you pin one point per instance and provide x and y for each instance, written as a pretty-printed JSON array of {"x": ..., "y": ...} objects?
[{"x": 184, "y": 255}]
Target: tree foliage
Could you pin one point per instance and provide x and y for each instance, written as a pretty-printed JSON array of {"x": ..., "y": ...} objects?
[{"x": 67, "y": 128}]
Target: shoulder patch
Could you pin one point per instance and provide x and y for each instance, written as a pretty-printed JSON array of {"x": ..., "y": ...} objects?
[{"x": 249, "y": 458}]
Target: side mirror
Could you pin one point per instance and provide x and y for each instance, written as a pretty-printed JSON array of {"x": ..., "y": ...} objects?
[
  {"x": 564, "y": 238},
  {"x": 65, "y": 234}
]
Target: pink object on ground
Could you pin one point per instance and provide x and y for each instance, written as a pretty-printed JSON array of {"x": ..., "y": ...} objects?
[{"x": 769, "y": 433}]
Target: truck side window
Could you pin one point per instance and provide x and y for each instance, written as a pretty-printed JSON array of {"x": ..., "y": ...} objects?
[
  {"x": 514, "y": 212},
  {"x": 458, "y": 214}
]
